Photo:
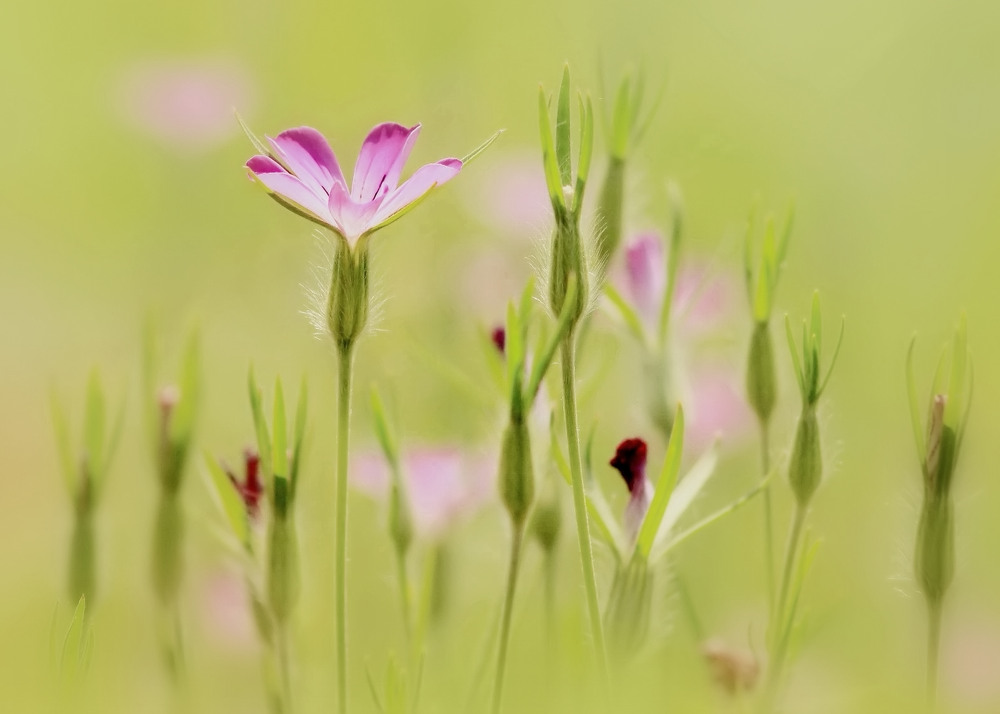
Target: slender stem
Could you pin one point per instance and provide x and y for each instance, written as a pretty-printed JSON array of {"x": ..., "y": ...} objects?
[
  {"x": 580, "y": 503},
  {"x": 404, "y": 595},
  {"x": 508, "y": 607},
  {"x": 550, "y": 604},
  {"x": 346, "y": 354},
  {"x": 697, "y": 629},
  {"x": 780, "y": 622},
  {"x": 933, "y": 650},
  {"x": 765, "y": 467},
  {"x": 284, "y": 668}
]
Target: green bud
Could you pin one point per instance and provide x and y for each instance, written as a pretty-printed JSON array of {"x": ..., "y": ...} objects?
[
  {"x": 400, "y": 518},
  {"x": 627, "y": 613},
  {"x": 805, "y": 469},
  {"x": 546, "y": 522},
  {"x": 517, "y": 478},
  {"x": 935, "y": 555},
  {"x": 610, "y": 209},
  {"x": 282, "y": 567},
  {"x": 82, "y": 556},
  {"x": 762, "y": 380},
  {"x": 347, "y": 302},
  {"x": 568, "y": 259},
  {"x": 168, "y": 538}
]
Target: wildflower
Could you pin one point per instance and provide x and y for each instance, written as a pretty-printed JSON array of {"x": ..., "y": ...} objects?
[
  {"x": 302, "y": 173},
  {"x": 186, "y": 104},
  {"x": 499, "y": 338},
  {"x": 251, "y": 488},
  {"x": 630, "y": 461}
]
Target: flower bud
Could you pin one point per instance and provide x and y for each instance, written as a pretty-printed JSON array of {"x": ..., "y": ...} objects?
[
  {"x": 282, "y": 566},
  {"x": 499, "y": 338},
  {"x": 629, "y": 606},
  {"x": 517, "y": 479},
  {"x": 762, "y": 391},
  {"x": 805, "y": 469},
  {"x": 630, "y": 461},
  {"x": 568, "y": 259},
  {"x": 546, "y": 521},
  {"x": 347, "y": 302},
  {"x": 935, "y": 555}
]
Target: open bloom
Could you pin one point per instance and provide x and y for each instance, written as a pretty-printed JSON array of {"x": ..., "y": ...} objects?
[{"x": 301, "y": 172}]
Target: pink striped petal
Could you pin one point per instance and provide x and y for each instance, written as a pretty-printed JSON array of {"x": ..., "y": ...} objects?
[
  {"x": 270, "y": 173},
  {"x": 306, "y": 152},
  {"x": 413, "y": 189},
  {"x": 353, "y": 218},
  {"x": 381, "y": 160}
]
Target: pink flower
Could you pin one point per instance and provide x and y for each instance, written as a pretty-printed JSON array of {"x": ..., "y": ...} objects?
[
  {"x": 646, "y": 274},
  {"x": 250, "y": 488},
  {"x": 715, "y": 407},
  {"x": 225, "y": 610},
  {"x": 443, "y": 485},
  {"x": 301, "y": 172},
  {"x": 184, "y": 103}
]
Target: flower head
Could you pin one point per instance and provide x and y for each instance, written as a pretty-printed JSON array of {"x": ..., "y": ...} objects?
[
  {"x": 630, "y": 461},
  {"x": 250, "y": 488},
  {"x": 302, "y": 173}
]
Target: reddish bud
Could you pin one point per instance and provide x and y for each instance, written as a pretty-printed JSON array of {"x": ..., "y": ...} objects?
[
  {"x": 630, "y": 461},
  {"x": 499, "y": 337}
]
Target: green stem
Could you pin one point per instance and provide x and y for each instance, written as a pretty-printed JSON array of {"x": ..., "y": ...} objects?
[
  {"x": 765, "y": 465},
  {"x": 933, "y": 651},
  {"x": 346, "y": 354},
  {"x": 580, "y": 504},
  {"x": 780, "y": 621},
  {"x": 508, "y": 607},
  {"x": 284, "y": 668},
  {"x": 404, "y": 594}
]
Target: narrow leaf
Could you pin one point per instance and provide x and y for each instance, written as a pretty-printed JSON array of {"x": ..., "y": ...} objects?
[
  {"x": 687, "y": 491},
  {"x": 227, "y": 499},
  {"x": 622, "y": 120},
  {"x": 563, "y": 146},
  {"x": 301, "y": 416},
  {"x": 628, "y": 315},
  {"x": 468, "y": 158},
  {"x": 182, "y": 423},
  {"x": 800, "y": 376},
  {"x": 279, "y": 429},
  {"x": 586, "y": 150},
  {"x": 260, "y": 426},
  {"x": 257, "y": 143},
  {"x": 549, "y": 161},
  {"x": 383, "y": 431},
  {"x": 836, "y": 354},
  {"x": 664, "y": 487}
]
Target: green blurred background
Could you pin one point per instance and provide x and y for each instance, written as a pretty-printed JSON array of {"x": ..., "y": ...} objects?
[{"x": 879, "y": 119}]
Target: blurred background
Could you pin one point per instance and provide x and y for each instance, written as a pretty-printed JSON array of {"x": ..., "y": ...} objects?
[{"x": 125, "y": 196}]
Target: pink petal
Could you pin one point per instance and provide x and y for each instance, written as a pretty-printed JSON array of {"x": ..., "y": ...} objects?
[
  {"x": 423, "y": 180},
  {"x": 353, "y": 218},
  {"x": 309, "y": 156},
  {"x": 381, "y": 160},
  {"x": 270, "y": 173},
  {"x": 647, "y": 278}
]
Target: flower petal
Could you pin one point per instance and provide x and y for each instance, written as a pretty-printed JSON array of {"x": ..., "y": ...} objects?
[
  {"x": 353, "y": 218},
  {"x": 308, "y": 154},
  {"x": 270, "y": 173},
  {"x": 381, "y": 160},
  {"x": 416, "y": 187}
]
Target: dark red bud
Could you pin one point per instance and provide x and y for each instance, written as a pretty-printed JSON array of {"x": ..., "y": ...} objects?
[
  {"x": 630, "y": 462},
  {"x": 499, "y": 337}
]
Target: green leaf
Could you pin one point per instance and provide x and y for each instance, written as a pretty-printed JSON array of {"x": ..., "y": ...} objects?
[
  {"x": 515, "y": 353},
  {"x": 687, "y": 491},
  {"x": 468, "y": 158},
  {"x": 526, "y": 304},
  {"x": 621, "y": 120},
  {"x": 836, "y": 354},
  {"x": 383, "y": 431},
  {"x": 279, "y": 429},
  {"x": 260, "y": 426},
  {"x": 60, "y": 427},
  {"x": 74, "y": 643},
  {"x": 911, "y": 392},
  {"x": 549, "y": 161},
  {"x": 543, "y": 360},
  {"x": 664, "y": 487},
  {"x": 786, "y": 236},
  {"x": 672, "y": 256},
  {"x": 227, "y": 499},
  {"x": 800, "y": 376},
  {"x": 563, "y": 147},
  {"x": 258, "y": 145},
  {"x": 816, "y": 323},
  {"x": 301, "y": 416},
  {"x": 629, "y": 316},
  {"x": 586, "y": 150},
  {"x": 182, "y": 423},
  {"x": 601, "y": 518}
]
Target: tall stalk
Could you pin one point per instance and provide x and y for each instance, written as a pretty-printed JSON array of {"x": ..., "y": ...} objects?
[
  {"x": 580, "y": 500},
  {"x": 508, "y": 607},
  {"x": 346, "y": 354}
]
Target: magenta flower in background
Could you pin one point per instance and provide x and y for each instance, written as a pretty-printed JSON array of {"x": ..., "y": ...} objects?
[
  {"x": 443, "y": 485},
  {"x": 303, "y": 174},
  {"x": 715, "y": 407},
  {"x": 185, "y": 103}
]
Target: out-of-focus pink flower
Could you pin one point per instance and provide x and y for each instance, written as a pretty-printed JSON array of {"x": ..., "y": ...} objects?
[
  {"x": 443, "y": 485},
  {"x": 700, "y": 299},
  {"x": 302, "y": 173},
  {"x": 630, "y": 461},
  {"x": 972, "y": 663},
  {"x": 225, "y": 611},
  {"x": 512, "y": 195},
  {"x": 714, "y": 407},
  {"x": 186, "y": 104}
]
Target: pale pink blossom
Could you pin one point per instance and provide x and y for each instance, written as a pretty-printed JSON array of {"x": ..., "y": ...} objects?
[
  {"x": 184, "y": 103},
  {"x": 443, "y": 485},
  {"x": 512, "y": 196},
  {"x": 302, "y": 173},
  {"x": 714, "y": 407},
  {"x": 225, "y": 610}
]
